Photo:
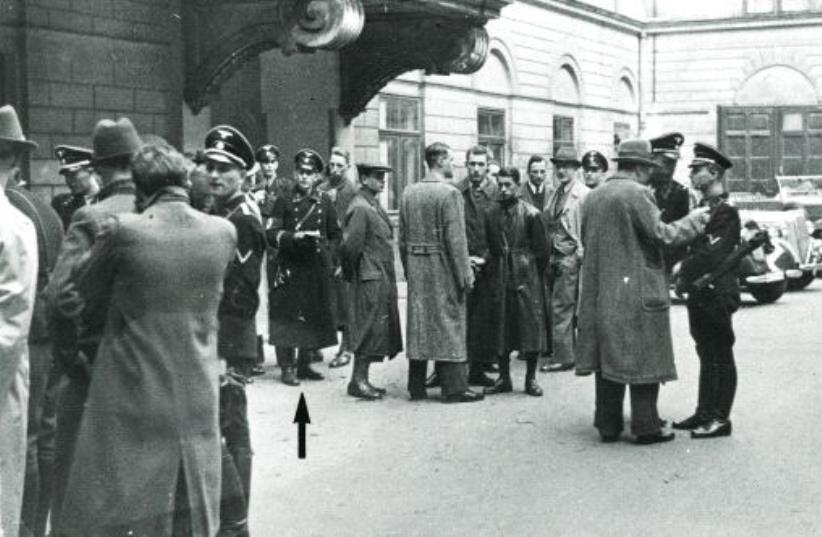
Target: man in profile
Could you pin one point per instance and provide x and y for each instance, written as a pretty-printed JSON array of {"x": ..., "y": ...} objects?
[{"x": 434, "y": 254}]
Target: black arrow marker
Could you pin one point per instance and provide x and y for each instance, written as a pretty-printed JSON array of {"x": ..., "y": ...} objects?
[{"x": 301, "y": 418}]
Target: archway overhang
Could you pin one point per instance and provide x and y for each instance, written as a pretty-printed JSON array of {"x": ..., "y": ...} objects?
[{"x": 378, "y": 39}]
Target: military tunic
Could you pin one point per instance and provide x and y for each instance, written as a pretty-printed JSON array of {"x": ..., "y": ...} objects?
[
  {"x": 300, "y": 294},
  {"x": 66, "y": 204},
  {"x": 674, "y": 202}
]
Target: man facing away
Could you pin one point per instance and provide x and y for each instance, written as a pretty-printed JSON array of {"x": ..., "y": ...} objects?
[
  {"x": 624, "y": 326},
  {"x": 434, "y": 255},
  {"x": 18, "y": 284}
]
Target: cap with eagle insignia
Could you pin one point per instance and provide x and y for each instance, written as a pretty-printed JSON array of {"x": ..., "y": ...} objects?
[
  {"x": 224, "y": 143},
  {"x": 267, "y": 153},
  {"x": 668, "y": 144},
  {"x": 706, "y": 154},
  {"x": 308, "y": 159},
  {"x": 72, "y": 158}
]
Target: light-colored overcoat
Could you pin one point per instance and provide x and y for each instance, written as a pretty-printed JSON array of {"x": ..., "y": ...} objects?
[
  {"x": 434, "y": 254},
  {"x": 18, "y": 286},
  {"x": 151, "y": 416},
  {"x": 624, "y": 326}
]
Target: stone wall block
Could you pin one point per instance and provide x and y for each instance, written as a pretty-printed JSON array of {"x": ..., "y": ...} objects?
[
  {"x": 150, "y": 101},
  {"x": 50, "y": 120},
  {"x": 71, "y": 95},
  {"x": 70, "y": 21},
  {"x": 99, "y": 8},
  {"x": 113, "y": 98},
  {"x": 39, "y": 93}
]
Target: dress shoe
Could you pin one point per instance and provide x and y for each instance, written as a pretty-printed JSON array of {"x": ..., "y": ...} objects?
[
  {"x": 256, "y": 370},
  {"x": 467, "y": 396},
  {"x": 532, "y": 388},
  {"x": 417, "y": 396},
  {"x": 656, "y": 438},
  {"x": 433, "y": 381},
  {"x": 341, "y": 360},
  {"x": 363, "y": 390},
  {"x": 289, "y": 377},
  {"x": 501, "y": 385},
  {"x": 713, "y": 429},
  {"x": 381, "y": 391},
  {"x": 304, "y": 372},
  {"x": 478, "y": 378},
  {"x": 557, "y": 368},
  {"x": 691, "y": 423}
]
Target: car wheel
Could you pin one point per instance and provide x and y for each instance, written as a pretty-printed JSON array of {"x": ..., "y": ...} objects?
[
  {"x": 767, "y": 293},
  {"x": 802, "y": 281}
]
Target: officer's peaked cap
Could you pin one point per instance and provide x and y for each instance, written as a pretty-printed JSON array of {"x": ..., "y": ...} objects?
[
  {"x": 72, "y": 158},
  {"x": 593, "y": 159},
  {"x": 308, "y": 158},
  {"x": 267, "y": 153},
  {"x": 224, "y": 143},
  {"x": 668, "y": 144},
  {"x": 706, "y": 154}
]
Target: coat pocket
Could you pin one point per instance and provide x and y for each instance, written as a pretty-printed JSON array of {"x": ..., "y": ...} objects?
[{"x": 654, "y": 289}]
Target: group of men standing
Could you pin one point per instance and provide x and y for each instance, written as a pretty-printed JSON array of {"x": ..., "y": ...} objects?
[{"x": 134, "y": 426}]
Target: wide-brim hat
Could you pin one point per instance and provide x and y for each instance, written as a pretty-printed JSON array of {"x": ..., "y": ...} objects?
[
  {"x": 227, "y": 144},
  {"x": 11, "y": 131},
  {"x": 114, "y": 139},
  {"x": 367, "y": 168},
  {"x": 637, "y": 151},
  {"x": 566, "y": 154}
]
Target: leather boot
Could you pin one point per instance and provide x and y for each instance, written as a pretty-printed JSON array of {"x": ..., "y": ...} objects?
[
  {"x": 727, "y": 389},
  {"x": 359, "y": 386},
  {"x": 289, "y": 376},
  {"x": 304, "y": 371}
]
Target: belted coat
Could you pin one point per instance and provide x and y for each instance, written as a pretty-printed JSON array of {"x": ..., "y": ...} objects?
[
  {"x": 624, "y": 324},
  {"x": 300, "y": 307},
  {"x": 18, "y": 284},
  {"x": 434, "y": 254},
  {"x": 151, "y": 416},
  {"x": 517, "y": 255}
]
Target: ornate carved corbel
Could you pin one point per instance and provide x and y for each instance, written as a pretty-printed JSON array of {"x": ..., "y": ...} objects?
[
  {"x": 390, "y": 47},
  {"x": 221, "y": 35}
]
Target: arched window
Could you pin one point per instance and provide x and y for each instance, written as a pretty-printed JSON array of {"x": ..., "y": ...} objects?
[
  {"x": 494, "y": 75},
  {"x": 566, "y": 85},
  {"x": 625, "y": 94},
  {"x": 777, "y": 85}
]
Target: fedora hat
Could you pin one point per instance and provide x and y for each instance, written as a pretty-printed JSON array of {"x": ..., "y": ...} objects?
[
  {"x": 637, "y": 151},
  {"x": 113, "y": 139},
  {"x": 566, "y": 154},
  {"x": 10, "y": 129}
]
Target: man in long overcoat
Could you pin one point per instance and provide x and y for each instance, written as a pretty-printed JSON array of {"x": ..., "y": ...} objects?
[
  {"x": 367, "y": 258},
  {"x": 563, "y": 219},
  {"x": 148, "y": 454},
  {"x": 479, "y": 195},
  {"x": 517, "y": 255},
  {"x": 18, "y": 284},
  {"x": 624, "y": 327},
  {"x": 305, "y": 230},
  {"x": 434, "y": 255},
  {"x": 114, "y": 142},
  {"x": 341, "y": 190}
]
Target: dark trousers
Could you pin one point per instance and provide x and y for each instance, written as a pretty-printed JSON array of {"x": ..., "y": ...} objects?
[
  {"x": 44, "y": 381},
  {"x": 70, "y": 407},
  {"x": 292, "y": 357},
  {"x": 236, "y": 470},
  {"x": 453, "y": 376},
  {"x": 476, "y": 308},
  {"x": 608, "y": 414},
  {"x": 710, "y": 319}
]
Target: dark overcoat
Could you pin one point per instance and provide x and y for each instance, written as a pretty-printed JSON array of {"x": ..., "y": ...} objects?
[
  {"x": 434, "y": 253},
  {"x": 624, "y": 325},
  {"x": 367, "y": 257},
  {"x": 518, "y": 252},
  {"x": 151, "y": 415},
  {"x": 300, "y": 308},
  {"x": 341, "y": 193}
]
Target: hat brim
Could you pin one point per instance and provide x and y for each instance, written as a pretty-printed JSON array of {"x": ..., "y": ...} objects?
[
  {"x": 22, "y": 144},
  {"x": 225, "y": 157},
  {"x": 74, "y": 167},
  {"x": 577, "y": 163},
  {"x": 637, "y": 160}
]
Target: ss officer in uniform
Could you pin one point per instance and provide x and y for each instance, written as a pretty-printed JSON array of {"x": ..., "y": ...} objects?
[
  {"x": 229, "y": 157},
  {"x": 76, "y": 169},
  {"x": 710, "y": 310},
  {"x": 305, "y": 231},
  {"x": 672, "y": 198}
]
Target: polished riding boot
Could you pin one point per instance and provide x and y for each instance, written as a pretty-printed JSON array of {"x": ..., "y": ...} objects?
[
  {"x": 359, "y": 386},
  {"x": 304, "y": 371},
  {"x": 702, "y": 414}
]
